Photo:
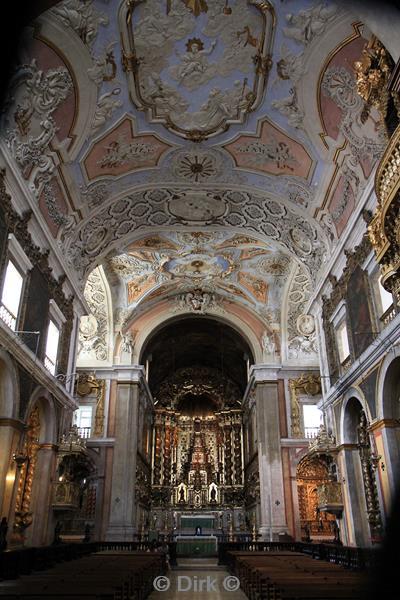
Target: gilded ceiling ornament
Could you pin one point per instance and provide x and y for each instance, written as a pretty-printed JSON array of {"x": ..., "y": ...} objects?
[
  {"x": 372, "y": 76},
  {"x": 241, "y": 40}
]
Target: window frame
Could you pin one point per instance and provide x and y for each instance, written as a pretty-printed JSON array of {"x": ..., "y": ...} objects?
[
  {"x": 339, "y": 320},
  {"x": 17, "y": 257},
  {"x": 58, "y": 320}
]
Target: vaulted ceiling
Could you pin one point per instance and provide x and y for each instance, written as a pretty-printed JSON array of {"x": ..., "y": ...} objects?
[{"x": 194, "y": 147}]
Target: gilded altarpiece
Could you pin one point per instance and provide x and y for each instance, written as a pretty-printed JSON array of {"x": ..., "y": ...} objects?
[
  {"x": 197, "y": 445},
  {"x": 312, "y": 472}
]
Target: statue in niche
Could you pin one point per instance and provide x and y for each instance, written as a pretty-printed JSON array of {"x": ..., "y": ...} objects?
[
  {"x": 182, "y": 493},
  {"x": 268, "y": 344},
  {"x": 213, "y": 493}
]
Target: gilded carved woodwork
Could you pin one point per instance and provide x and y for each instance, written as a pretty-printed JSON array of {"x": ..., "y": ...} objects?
[
  {"x": 311, "y": 476},
  {"x": 372, "y": 76},
  {"x": 198, "y": 381},
  {"x": 308, "y": 385},
  {"x": 368, "y": 466},
  {"x": 73, "y": 468},
  {"x": 28, "y": 460},
  {"x": 384, "y": 228}
]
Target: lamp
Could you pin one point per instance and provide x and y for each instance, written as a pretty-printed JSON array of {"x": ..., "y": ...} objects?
[{"x": 19, "y": 458}]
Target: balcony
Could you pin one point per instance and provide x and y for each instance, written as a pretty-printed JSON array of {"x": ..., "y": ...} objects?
[
  {"x": 388, "y": 316},
  {"x": 8, "y": 318},
  {"x": 84, "y": 432},
  {"x": 311, "y": 432}
]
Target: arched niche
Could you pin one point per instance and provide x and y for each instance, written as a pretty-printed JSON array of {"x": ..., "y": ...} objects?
[
  {"x": 388, "y": 387},
  {"x": 43, "y": 400},
  {"x": 388, "y": 413},
  {"x": 353, "y": 403},
  {"x": 362, "y": 505}
]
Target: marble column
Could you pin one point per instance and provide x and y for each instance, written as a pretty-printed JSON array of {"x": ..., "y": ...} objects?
[
  {"x": 122, "y": 524},
  {"x": 272, "y": 509}
]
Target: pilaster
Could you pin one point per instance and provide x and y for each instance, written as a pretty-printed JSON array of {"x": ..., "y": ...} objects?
[{"x": 272, "y": 509}]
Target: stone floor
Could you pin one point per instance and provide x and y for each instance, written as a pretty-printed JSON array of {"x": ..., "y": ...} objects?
[{"x": 198, "y": 579}]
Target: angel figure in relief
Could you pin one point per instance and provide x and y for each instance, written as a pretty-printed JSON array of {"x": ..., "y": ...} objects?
[{"x": 194, "y": 61}]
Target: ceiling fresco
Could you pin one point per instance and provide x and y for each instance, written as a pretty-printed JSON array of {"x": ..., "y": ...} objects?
[
  {"x": 231, "y": 266},
  {"x": 211, "y": 148},
  {"x": 197, "y": 67}
]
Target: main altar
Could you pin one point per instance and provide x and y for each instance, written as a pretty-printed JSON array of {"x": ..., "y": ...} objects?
[{"x": 197, "y": 483}]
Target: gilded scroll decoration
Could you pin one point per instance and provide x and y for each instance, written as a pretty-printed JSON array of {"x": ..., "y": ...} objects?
[
  {"x": 368, "y": 473},
  {"x": 28, "y": 460},
  {"x": 372, "y": 76}
]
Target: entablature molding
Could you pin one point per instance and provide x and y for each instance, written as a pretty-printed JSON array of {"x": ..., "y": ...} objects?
[{"x": 125, "y": 374}]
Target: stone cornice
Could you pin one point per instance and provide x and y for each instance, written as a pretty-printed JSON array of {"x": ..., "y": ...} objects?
[
  {"x": 124, "y": 374},
  {"x": 27, "y": 359},
  {"x": 384, "y": 424},
  {"x": 100, "y": 442}
]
